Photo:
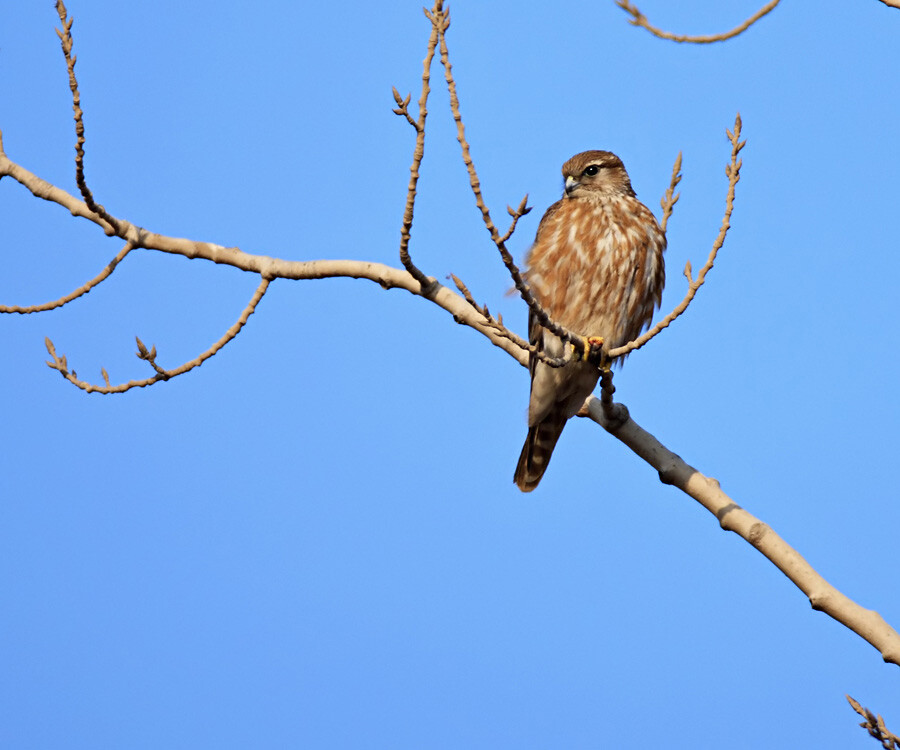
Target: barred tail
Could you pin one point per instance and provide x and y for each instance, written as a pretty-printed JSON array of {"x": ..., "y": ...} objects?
[{"x": 536, "y": 452}]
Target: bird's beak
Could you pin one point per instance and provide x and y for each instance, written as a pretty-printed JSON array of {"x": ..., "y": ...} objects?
[{"x": 571, "y": 184}]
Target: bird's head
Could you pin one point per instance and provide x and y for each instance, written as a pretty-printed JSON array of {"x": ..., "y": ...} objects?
[{"x": 595, "y": 173}]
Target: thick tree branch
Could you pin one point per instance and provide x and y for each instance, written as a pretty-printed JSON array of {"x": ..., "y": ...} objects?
[
  {"x": 386, "y": 276},
  {"x": 705, "y": 490}
]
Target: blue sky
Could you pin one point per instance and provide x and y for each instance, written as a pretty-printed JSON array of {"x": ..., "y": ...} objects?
[{"x": 314, "y": 539}]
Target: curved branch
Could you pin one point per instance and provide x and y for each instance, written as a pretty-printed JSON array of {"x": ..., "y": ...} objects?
[
  {"x": 733, "y": 170},
  {"x": 639, "y": 19},
  {"x": 60, "y": 364},
  {"x": 822, "y": 595},
  {"x": 82, "y": 290}
]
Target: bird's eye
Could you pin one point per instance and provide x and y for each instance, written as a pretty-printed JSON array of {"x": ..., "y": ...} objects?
[{"x": 592, "y": 170}]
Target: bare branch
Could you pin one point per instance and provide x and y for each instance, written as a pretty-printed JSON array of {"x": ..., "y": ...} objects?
[
  {"x": 60, "y": 364},
  {"x": 892, "y": 3},
  {"x": 516, "y": 213},
  {"x": 580, "y": 344},
  {"x": 402, "y": 108},
  {"x": 385, "y": 276},
  {"x": 82, "y": 290},
  {"x": 668, "y": 201},
  {"x": 65, "y": 38},
  {"x": 875, "y": 726},
  {"x": 612, "y": 416},
  {"x": 439, "y": 21},
  {"x": 733, "y": 171},
  {"x": 822, "y": 595},
  {"x": 496, "y": 324},
  {"x": 639, "y": 19}
]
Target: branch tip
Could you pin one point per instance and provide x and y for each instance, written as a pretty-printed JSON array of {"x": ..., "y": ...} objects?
[
  {"x": 639, "y": 19},
  {"x": 142, "y": 352}
]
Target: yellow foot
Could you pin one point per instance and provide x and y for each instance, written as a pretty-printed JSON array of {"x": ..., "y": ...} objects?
[{"x": 593, "y": 349}]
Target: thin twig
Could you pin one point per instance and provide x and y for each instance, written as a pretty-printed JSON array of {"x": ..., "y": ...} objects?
[
  {"x": 733, "y": 171},
  {"x": 516, "y": 213},
  {"x": 439, "y": 21},
  {"x": 82, "y": 290},
  {"x": 668, "y": 201},
  {"x": 65, "y": 38},
  {"x": 875, "y": 726},
  {"x": 580, "y": 343},
  {"x": 639, "y": 19},
  {"x": 496, "y": 324},
  {"x": 60, "y": 364},
  {"x": 402, "y": 108}
]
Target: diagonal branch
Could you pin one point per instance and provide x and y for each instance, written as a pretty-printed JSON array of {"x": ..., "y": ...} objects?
[
  {"x": 496, "y": 325},
  {"x": 639, "y": 19},
  {"x": 82, "y": 290},
  {"x": 733, "y": 171},
  {"x": 582, "y": 346},
  {"x": 60, "y": 364},
  {"x": 705, "y": 490}
]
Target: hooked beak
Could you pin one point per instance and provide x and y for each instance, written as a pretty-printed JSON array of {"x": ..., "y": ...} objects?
[{"x": 571, "y": 184}]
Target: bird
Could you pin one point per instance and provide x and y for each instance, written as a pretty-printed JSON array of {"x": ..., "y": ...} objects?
[{"x": 596, "y": 267}]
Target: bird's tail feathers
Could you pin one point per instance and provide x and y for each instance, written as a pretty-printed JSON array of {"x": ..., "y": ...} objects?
[{"x": 537, "y": 451}]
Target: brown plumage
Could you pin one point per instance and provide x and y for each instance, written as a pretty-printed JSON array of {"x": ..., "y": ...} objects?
[{"x": 596, "y": 267}]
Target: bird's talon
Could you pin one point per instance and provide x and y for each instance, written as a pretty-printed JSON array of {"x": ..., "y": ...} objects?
[{"x": 594, "y": 349}]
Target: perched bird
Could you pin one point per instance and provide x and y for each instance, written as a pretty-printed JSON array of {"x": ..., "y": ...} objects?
[{"x": 596, "y": 267}]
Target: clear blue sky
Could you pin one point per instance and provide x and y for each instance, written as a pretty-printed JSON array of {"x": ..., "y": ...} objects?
[{"x": 314, "y": 541}]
